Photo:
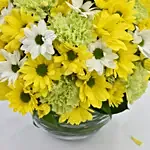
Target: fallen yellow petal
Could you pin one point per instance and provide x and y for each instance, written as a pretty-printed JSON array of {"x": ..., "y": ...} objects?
[{"x": 136, "y": 141}]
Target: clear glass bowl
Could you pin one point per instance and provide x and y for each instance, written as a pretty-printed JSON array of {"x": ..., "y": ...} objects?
[{"x": 66, "y": 131}]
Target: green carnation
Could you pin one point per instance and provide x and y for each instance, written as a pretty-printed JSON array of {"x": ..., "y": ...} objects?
[
  {"x": 63, "y": 97},
  {"x": 142, "y": 12},
  {"x": 38, "y": 7},
  {"x": 137, "y": 83},
  {"x": 73, "y": 28}
]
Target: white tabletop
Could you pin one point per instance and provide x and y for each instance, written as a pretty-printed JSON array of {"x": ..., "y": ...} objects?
[{"x": 18, "y": 133}]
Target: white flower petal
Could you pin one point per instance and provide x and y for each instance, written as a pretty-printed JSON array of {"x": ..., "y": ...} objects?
[
  {"x": 42, "y": 27},
  {"x": 94, "y": 64},
  {"x": 4, "y": 65},
  {"x": 101, "y": 69},
  {"x": 109, "y": 63},
  {"x": 50, "y": 50},
  {"x": 43, "y": 49},
  {"x": 49, "y": 34},
  {"x": 145, "y": 48},
  {"x": 34, "y": 30},
  {"x": 145, "y": 52},
  {"x": 47, "y": 56},
  {"x": 35, "y": 51},
  {"x": 29, "y": 33},
  {"x": 137, "y": 39},
  {"x": 87, "y": 5},
  {"x": 111, "y": 56},
  {"x": 145, "y": 34},
  {"x": 15, "y": 57},
  {"x": 6, "y": 55},
  {"x": 77, "y": 3},
  {"x": 27, "y": 41},
  {"x": 22, "y": 61}
]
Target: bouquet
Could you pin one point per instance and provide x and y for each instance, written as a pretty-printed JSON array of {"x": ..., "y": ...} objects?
[{"x": 73, "y": 57}]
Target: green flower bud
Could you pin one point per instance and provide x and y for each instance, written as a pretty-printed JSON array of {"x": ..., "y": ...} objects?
[
  {"x": 63, "y": 97},
  {"x": 137, "y": 83}
]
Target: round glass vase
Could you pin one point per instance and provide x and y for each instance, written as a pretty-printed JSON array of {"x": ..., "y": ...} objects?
[{"x": 66, "y": 131}]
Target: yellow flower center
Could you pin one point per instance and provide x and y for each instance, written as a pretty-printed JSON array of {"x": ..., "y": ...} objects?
[
  {"x": 91, "y": 82},
  {"x": 25, "y": 97},
  {"x": 42, "y": 70},
  {"x": 15, "y": 68},
  {"x": 71, "y": 55},
  {"x": 39, "y": 40},
  {"x": 98, "y": 53}
]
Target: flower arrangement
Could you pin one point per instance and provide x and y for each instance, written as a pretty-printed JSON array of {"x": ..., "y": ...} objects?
[{"x": 73, "y": 57}]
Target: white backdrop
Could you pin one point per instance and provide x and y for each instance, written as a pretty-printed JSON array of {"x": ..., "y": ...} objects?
[{"x": 18, "y": 133}]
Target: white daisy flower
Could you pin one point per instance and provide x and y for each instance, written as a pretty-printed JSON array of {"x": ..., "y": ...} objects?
[
  {"x": 9, "y": 68},
  {"x": 5, "y": 12},
  {"x": 102, "y": 56},
  {"x": 38, "y": 40},
  {"x": 142, "y": 38},
  {"x": 84, "y": 9}
]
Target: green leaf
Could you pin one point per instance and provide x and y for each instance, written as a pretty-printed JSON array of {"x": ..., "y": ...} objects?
[
  {"x": 51, "y": 118},
  {"x": 121, "y": 108},
  {"x": 105, "y": 108}
]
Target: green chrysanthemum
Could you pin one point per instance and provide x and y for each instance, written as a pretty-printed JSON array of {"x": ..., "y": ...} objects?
[
  {"x": 142, "y": 12},
  {"x": 73, "y": 28},
  {"x": 137, "y": 83},
  {"x": 63, "y": 97},
  {"x": 38, "y": 7}
]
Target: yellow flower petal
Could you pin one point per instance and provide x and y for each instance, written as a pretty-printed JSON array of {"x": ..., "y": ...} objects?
[
  {"x": 43, "y": 110},
  {"x": 136, "y": 141}
]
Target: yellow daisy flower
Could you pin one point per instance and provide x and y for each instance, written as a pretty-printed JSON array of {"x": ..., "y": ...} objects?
[
  {"x": 126, "y": 11},
  {"x": 4, "y": 90},
  {"x": 76, "y": 116},
  {"x": 102, "y": 3},
  {"x": 43, "y": 110},
  {"x": 3, "y": 3},
  {"x": 94, "y": 90},
  {"x": 144, "y": 24},
  {"x": 116, "y": 93},
  {"x": 39, "y": 73},
  {"x": 21, "y": 99},
  {"x": 146, "y": 4},
  {"x": 61, "y": 7},
  {"x": 72, "y": 58},
  {"x": 12, "y": 30},
  {"x": 125, "y": 62},
  {"x": 112, "y": 31}
]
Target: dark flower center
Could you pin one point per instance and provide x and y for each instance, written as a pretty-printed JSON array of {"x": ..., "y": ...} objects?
[
  {"x": 25, "y": 97},
  {"x": 98, "y": 53},
  {"x": 91, "y": 82},
  {"x": 39, "y": 40},
  {"x": 71, "y": 55},
  {"x": 42, "y": 70},
  {"x": 15, "y": 68}
]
